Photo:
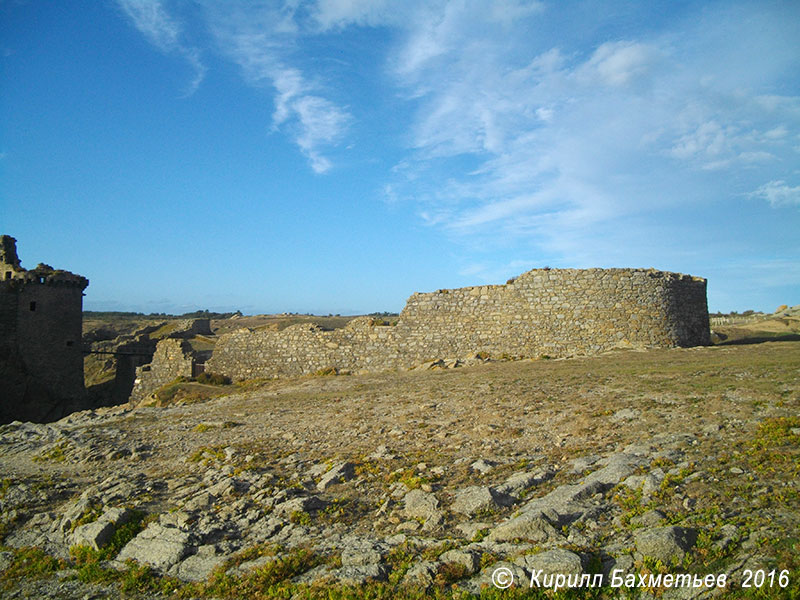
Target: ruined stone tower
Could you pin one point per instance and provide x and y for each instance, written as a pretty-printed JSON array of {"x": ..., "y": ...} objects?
[{"x": 41, "y": 361}]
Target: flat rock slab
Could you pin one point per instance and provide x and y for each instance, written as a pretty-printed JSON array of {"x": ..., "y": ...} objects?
[
  {"x": 625, "y": 414},
  {"x": 158, "y": 546},
  {"x": 251, "y": 565},
  {"x": 482, "y": 466},
  {"x": 649, "y": 519},
  {"x": 516, "y": 575},
  {"x": 665, "y": 543},
  {"x": 198, "y": 568},
  {"x": 521, "y": 482},
  {"x": 421, "y": 574},
  {"x": 565, "y": 499},
  {"x": 618, "y": 467},
  {"x": 470, "y": 560},
  {"x": 94, "y": 535},
  {"x": 420, "y": 505},
  {"x": 474, "y": 499},
  {"x": 579, "y": 465},
  {"x": 357, "y": 556},
  {"x": 359, "y": 574},
  {"x": 98, "y": 533},
  {"x": 534, "y": 527},
  {"x": 299, "y": 505},
  {"x": 555, "y": 561}
]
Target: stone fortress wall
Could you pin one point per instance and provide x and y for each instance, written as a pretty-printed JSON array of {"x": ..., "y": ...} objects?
[{"x": 553, "y": 312}]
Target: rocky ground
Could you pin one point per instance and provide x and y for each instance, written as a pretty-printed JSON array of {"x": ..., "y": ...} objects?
[{"x": 423, "y": 483}]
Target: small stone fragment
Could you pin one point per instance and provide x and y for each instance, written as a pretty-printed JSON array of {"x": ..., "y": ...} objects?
[
  {"x": 338, "y": 473},
  {"x": 482, "y": 466}
]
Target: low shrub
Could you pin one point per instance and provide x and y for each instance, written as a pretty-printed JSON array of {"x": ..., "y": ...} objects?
[{"x": 213, "y": 379}]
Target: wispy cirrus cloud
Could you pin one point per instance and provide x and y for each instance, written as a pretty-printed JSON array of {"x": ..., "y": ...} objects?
[
  {"x": 160, "y": 29},
  {"x": 259, "y": 38}
]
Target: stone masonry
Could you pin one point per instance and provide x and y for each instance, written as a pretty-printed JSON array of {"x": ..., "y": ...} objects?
[
  {"x": 41, "y": 362},
  {"x": 553, "y": 312},
  {"x": 171, "y": 359}
]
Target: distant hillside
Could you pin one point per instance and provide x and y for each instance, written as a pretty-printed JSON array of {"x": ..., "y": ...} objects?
[{"x": 782, "y": 325}]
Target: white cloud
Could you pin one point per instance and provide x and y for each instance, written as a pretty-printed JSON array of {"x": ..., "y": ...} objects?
[
  {"x": 321, "y": 122},
  {"x": 509, "y": 11},
  {"x": 778, "y": 193},
  {"x": 338, "y": 14},
  {"x": 152, "y": 20},
  {"x": 315, "y": 122},
  {"x": 161, "y": 30},
  {"x": 318, "y": 122},
  {"x": 777, "y": 133},
  {"x": 756, "y": 157},
  {"x": 331, "y": 14},
  {"x": 618, "y": 63},
  {"x": 707, "y": 140},
  {"x": 290, "y": 85}
]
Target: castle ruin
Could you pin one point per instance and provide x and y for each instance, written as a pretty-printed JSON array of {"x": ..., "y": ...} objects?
[
  {"x": 544, "y": 312},
  {"x": 41, "y": 360},
  {"x": 550, "y": 312}
]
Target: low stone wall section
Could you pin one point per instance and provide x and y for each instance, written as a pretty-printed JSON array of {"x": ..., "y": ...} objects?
[
  {"x": 171, "y": 359},
  {"x": 553, "y": 312}
]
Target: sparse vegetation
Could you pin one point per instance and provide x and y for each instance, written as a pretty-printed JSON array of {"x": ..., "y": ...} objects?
[
  {"x": 410, "y": 478},
  {"x": 326, "y": 372},
  {"x": 383, "y": 322},
  {"x": 300, "y": 518},
  {"x": 213, "y": 379},
  {"x": 449, "y": 573},
  {"x": 185, "y": 391},
  {"x": 56, "y": 453},
  {"x": 29, "y": 562},
  {"x": 207, "y": 454}
]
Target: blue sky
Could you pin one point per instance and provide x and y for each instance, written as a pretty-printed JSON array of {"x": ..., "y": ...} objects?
[{"x": 334, "y": 156}]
